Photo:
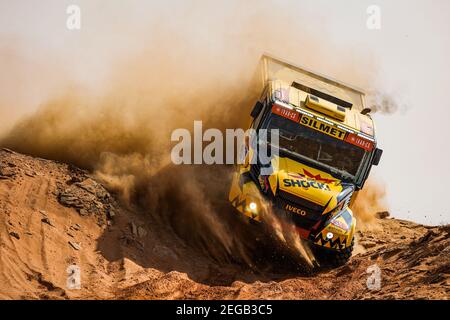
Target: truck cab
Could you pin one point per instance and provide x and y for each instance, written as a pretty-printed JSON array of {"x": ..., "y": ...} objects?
[{"x": 325, "y": 150}]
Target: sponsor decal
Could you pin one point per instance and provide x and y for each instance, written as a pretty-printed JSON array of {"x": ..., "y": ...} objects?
[
  {"x": 297, "y": 175},
  {"x": 309, "y": 175},
  {"x": 340, "y": 224},
  {"x": 308, "y": 180},
  {"x": 306, "y": 184},
  {"x": 317, "y": 177},
  {"x": 322, "y": 127},
  {"x": 336, "y": 230},
  {"x": 359, "y": 142},
  {"x": 296, "y": 210},
  {"x": 285, "y": 112}
]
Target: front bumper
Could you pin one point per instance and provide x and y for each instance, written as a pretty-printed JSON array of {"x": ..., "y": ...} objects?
[{"x": 335, "y": 234}]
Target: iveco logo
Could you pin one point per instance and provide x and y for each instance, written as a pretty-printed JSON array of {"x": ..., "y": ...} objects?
[{"x": 296, "y": 210}]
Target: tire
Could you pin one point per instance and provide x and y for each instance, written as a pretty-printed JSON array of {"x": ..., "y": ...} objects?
[{"x": 330, "y": 258}]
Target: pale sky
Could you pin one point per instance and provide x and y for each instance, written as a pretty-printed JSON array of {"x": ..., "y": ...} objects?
[{"x": 408, "y": 59}]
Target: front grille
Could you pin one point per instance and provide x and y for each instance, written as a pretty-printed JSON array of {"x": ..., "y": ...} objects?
[
  {"x": 313, "y": 211},
  {"x": 300, "y": 202}
]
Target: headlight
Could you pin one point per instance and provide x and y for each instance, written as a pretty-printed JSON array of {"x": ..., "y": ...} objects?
[{"x": 252, "y": 208}]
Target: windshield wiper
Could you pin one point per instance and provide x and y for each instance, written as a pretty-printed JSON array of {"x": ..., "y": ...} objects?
[{"x": 342, "y": 175}]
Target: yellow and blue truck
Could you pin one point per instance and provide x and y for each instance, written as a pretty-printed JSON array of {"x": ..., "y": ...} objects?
[{"x": 325, "y": 150}]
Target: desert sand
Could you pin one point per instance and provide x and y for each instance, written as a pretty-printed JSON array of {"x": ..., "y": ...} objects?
[{"x": 54, "y": 215}]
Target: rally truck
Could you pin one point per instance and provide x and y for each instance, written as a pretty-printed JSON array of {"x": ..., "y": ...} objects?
[{"x": 326, "y": 148}]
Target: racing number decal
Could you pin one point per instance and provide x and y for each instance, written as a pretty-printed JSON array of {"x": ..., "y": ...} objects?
[
  {"x": 360, "y": 142},
  {"x": 285, "y": 112}
]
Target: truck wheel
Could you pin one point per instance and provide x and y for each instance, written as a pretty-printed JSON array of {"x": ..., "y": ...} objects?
[{"x": 329, "y": 258}]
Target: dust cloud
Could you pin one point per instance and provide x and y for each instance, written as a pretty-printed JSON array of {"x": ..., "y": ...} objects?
[
  {"x": 381, "y": 102},
  {"x": 122, "y": 131},
  {"x": 123, "y": 136},
  {"x": 369, "y": 201}
]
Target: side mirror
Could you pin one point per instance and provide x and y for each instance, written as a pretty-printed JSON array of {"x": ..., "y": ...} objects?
[
  {"x": 257, "y": 109},
  {"x": 366, "y": 111},
  {"x": 377, "y": 157}
]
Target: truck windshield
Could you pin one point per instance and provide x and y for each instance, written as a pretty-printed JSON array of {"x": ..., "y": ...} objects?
[{"x": 335, "y": 155}]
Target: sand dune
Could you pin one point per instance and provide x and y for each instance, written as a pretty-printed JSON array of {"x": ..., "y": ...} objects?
[{"x": 53, "y": 215}]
